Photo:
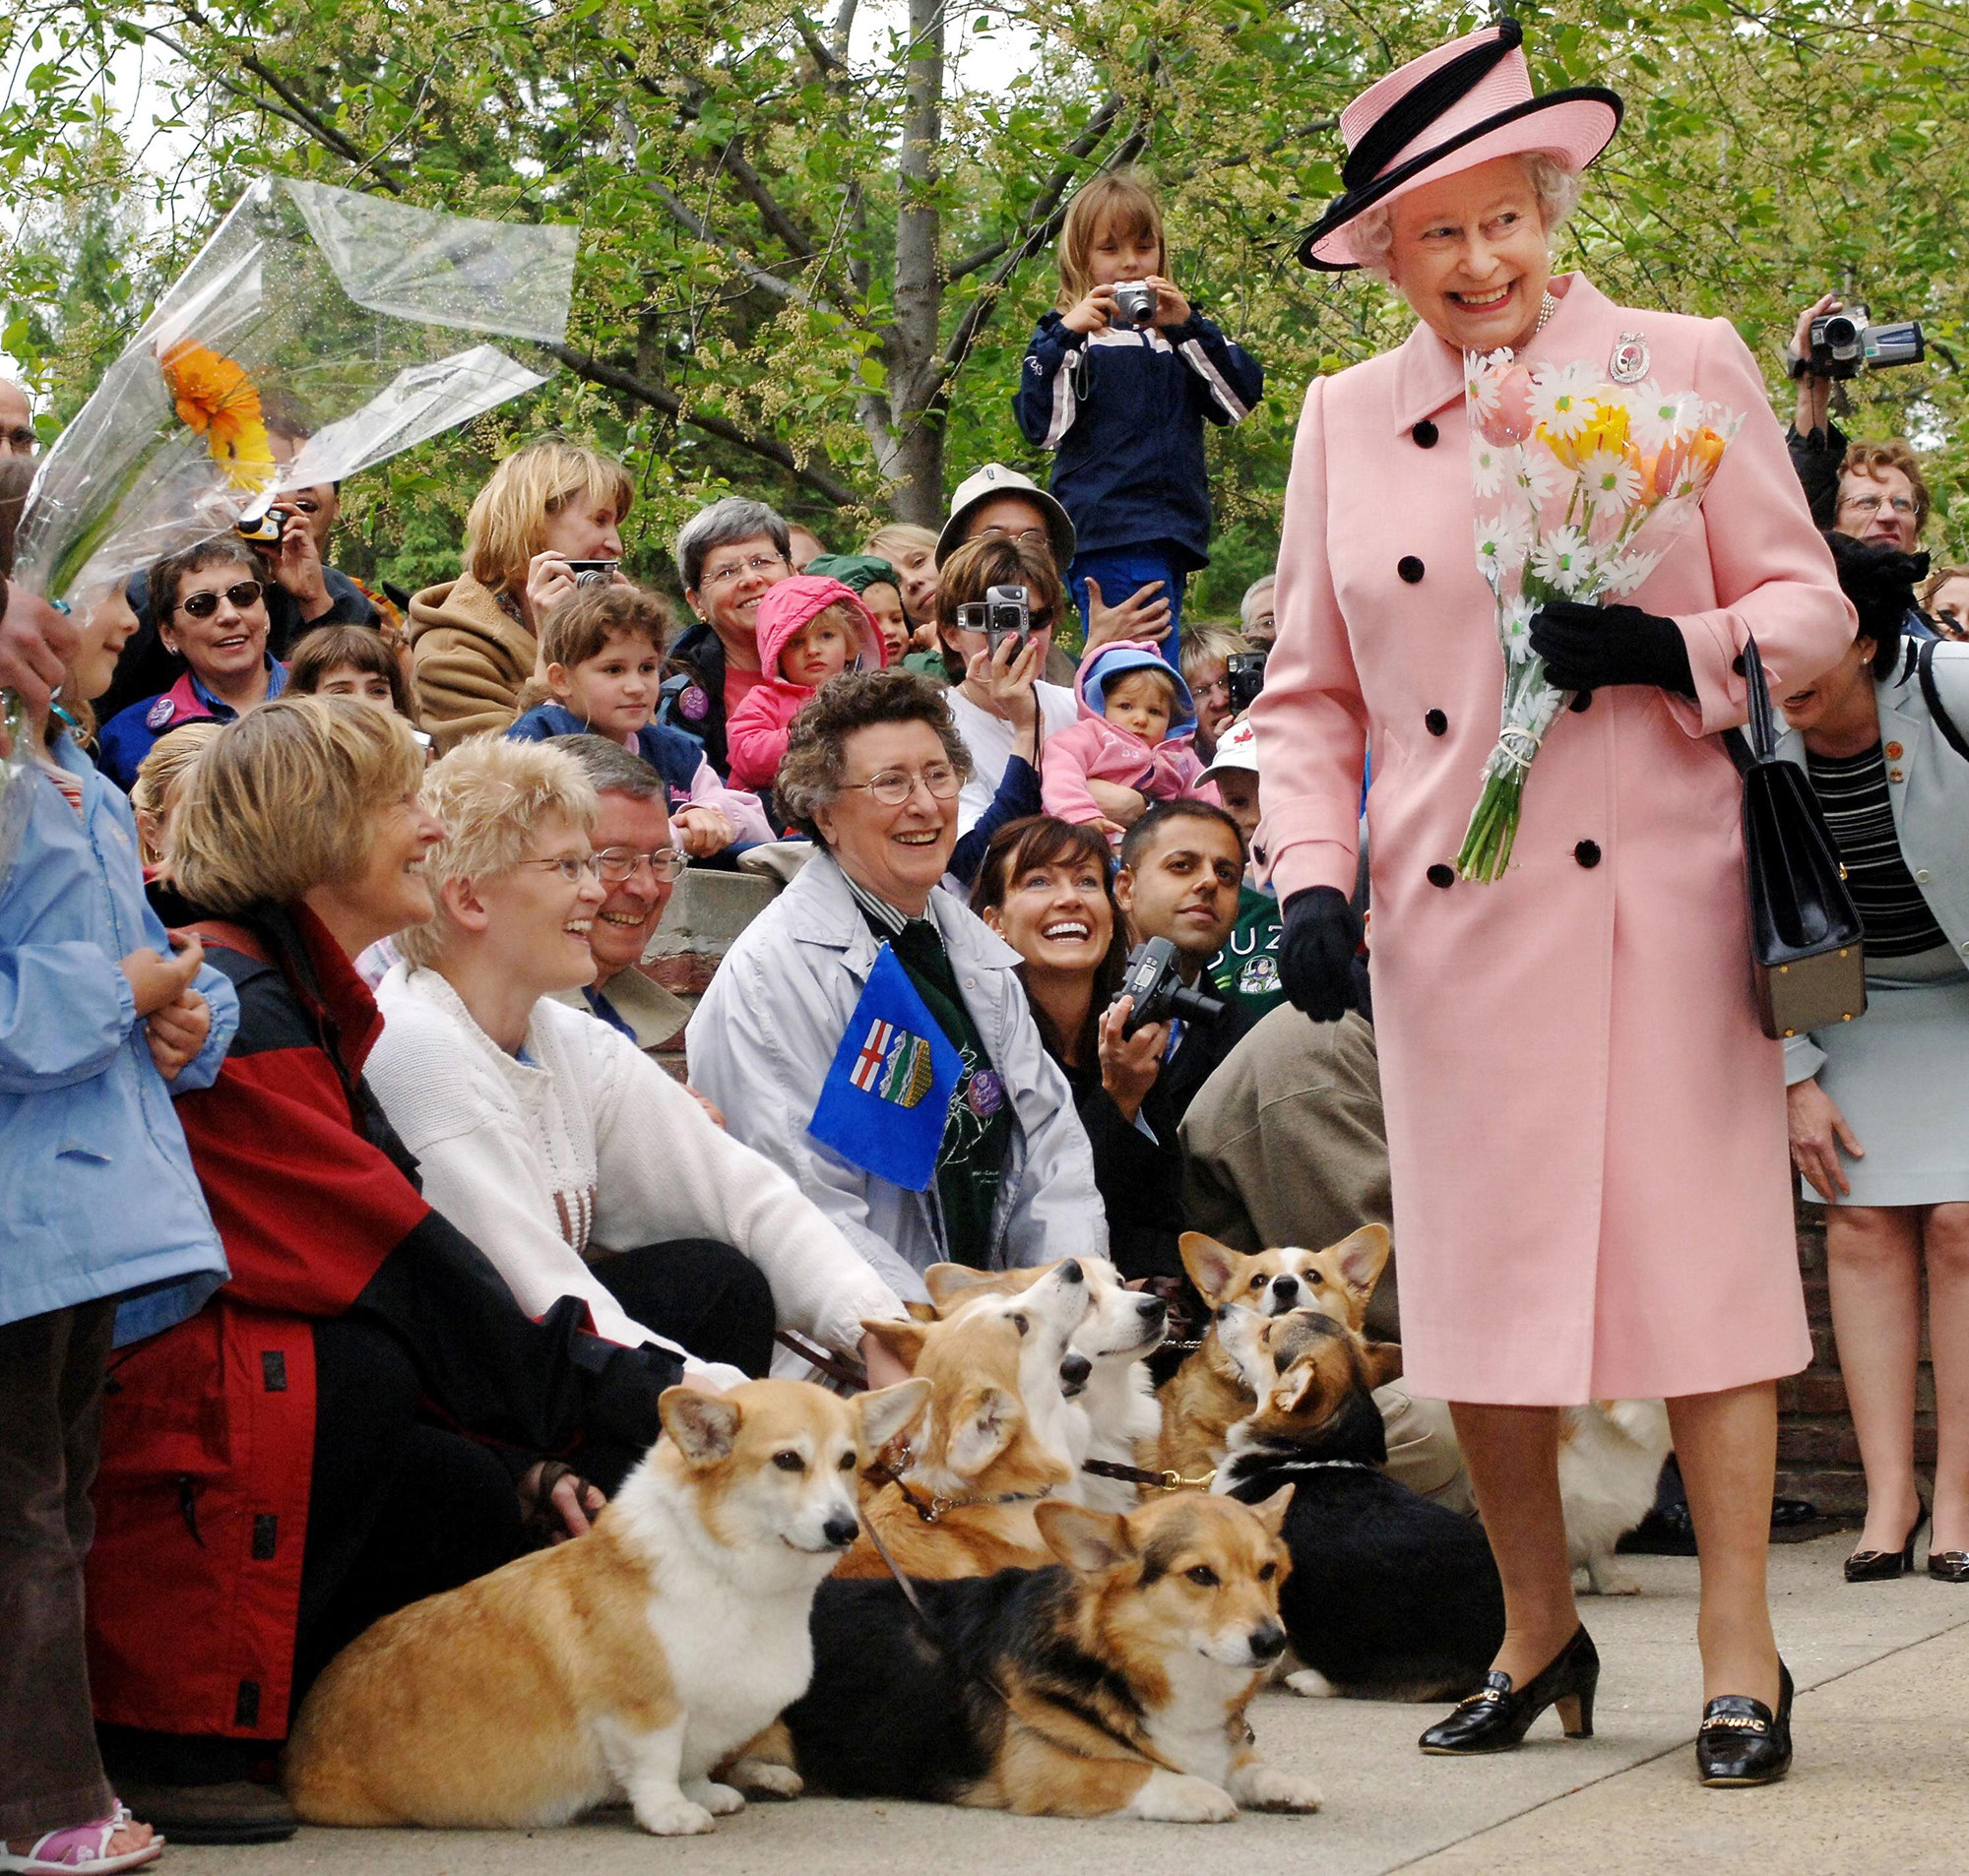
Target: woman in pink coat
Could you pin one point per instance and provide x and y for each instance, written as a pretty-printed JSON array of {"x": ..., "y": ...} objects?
[{"x": 1586, "y": 1128}]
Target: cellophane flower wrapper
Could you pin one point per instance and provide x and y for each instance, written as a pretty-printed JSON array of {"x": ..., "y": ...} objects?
[
  {"x": 311, "y": 310},
  {"x": 1580, "y": 486}
]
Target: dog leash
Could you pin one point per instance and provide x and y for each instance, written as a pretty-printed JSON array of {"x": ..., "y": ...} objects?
[
  {"x": 932, "y": 1509},
  {"x": 1168, "y": 1480},
  {"x": 850, "y": 1374}
]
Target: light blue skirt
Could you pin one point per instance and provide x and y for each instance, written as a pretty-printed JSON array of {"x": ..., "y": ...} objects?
[{"x": 1900, "y": 1075}]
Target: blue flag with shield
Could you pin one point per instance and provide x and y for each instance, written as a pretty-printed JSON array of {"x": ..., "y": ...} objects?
[{"x": 883, "y": 1104}]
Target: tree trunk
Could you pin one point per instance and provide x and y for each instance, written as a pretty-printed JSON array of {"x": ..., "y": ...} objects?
[{"x": 913, "y": 354}]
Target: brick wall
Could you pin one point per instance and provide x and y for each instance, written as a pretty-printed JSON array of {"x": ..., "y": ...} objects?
[{"x": 1818, "y": 1456}]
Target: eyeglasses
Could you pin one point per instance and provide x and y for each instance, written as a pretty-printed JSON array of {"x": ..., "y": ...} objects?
[
  {"x": 568, "y": 866},
  {"x": 1901, "y": 505},
  {"x": 1026, "y": 537},
  {"x": 617, "y": 863},
  {"x": 202, "y": 606},
  {"x": 893, "y": 786},
  {"x": 23, "y": 440},
  {"x": 738, "y": 569}
]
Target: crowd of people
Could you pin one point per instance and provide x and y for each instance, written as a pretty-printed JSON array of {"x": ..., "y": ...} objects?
[{"x": 355, "y": 1225}]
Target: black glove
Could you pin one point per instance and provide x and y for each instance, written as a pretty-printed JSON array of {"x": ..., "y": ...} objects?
[
  {"x": 1316, "y": 952},
  {"x": 1587, "y": 646}
]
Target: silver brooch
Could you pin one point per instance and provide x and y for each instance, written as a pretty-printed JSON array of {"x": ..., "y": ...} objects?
[{"x": 1629, "y": 362}]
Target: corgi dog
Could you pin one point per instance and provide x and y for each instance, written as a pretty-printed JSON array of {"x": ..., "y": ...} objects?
[
  {"x": 1208, "y": 1395},
  {"x": 1112, "y": 1418},
  {"x": 627, "y": 1663},
  {"x": 1111, "y": 1683},
  {"x": 997, "y": 1434},
  {"x": 1609, "y": 1457},
  {"x": 1390, "y": 1597}
]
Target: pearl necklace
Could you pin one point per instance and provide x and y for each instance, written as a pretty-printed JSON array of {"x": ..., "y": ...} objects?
[{"x": 1546, "y": 307}]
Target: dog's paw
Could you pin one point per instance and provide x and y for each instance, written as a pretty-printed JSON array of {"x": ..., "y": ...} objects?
[
  {"x": 1308, "y": 1683},
  {"x": 763, "y": 1778},
  {"x": 673, "y": 1816},
  {"x": 1174, "y": 1797},
  {"x": 1261, "y": 1788},
  {"x": 720, "y": 1800},
  {"x": 1607, "y": 1576}
]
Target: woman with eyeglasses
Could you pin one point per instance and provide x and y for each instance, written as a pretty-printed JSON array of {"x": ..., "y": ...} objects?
[
  {"x": 570, "y": 1158},
  {"x": 210, "y": 608},
  {"x": 873, "y": 771}
]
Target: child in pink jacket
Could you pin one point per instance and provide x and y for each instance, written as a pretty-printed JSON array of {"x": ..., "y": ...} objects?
[
  {"x": 809, "y": 630},
  {"x": 1136, "y": 726}
]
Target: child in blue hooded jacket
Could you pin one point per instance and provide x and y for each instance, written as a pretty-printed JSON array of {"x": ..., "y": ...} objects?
[{"x": 1124, "y": 401}]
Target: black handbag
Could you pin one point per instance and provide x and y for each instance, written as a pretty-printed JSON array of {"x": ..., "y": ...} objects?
[{"x": 1805, "y": 952}]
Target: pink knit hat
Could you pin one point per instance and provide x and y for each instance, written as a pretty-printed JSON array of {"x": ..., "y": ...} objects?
[
  {"x": 790, "y": 606},
  {"x": 1466, "y": 103}
]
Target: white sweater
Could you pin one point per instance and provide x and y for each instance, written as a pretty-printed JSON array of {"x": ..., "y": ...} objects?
[{"x": 587, "y": 1148}]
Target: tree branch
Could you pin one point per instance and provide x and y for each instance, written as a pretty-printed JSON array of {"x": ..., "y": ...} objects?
[
  {"x": 734, "y": 161},
  {"x": 663, "y": 398}
]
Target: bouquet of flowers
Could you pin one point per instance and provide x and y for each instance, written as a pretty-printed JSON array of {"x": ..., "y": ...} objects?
[
  {"x": 1580, "y": 486},
  {"x": 314, "y": 334}
]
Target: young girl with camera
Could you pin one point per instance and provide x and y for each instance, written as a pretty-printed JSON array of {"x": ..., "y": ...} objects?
[{"x": 1119, "y": 380}]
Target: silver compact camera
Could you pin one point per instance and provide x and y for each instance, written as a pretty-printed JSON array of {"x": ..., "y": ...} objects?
[
  {"x": 1004, "y": 612},
  {"x": 1135, "y": 303}
]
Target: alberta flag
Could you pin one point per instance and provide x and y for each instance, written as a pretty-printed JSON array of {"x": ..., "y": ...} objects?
[{"x": 883, "y": 1104}]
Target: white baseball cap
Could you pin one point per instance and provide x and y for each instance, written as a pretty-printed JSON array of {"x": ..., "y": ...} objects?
[
  {"x": 1236, "y": 748},
  {"x": 986, "y": 485}
]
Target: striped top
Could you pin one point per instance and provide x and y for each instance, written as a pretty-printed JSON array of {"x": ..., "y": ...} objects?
[{"x": 1853, "y": 792}]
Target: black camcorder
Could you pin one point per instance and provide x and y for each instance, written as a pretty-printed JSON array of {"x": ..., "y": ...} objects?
[
  {"x": 1155, "y": 981},
  {"x": 1135, "y": 303},
  {"x": 1244, "y": 678},
  {"x": 1004, "y": 612},
  {"x": 1841, "y": 342}
]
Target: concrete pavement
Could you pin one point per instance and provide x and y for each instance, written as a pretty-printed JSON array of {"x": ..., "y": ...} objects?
[{"x": 1881, "y": 1782}]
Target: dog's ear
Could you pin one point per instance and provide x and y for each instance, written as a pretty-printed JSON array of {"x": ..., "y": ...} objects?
[
  {"x": 1210, "y": 1264},
  {"x": 982, "y": 1428},
  {"x": 922, "y": 1311},
  {"x": 1362, "y": 1259},
  {"x": 889, "y": 1412},
  {"x": 945, "y": 1280},
  {"x": 1271, "y": 1512},
  {"x": 1298, "y": 1389},
  {"x": 1086, "y": 1541},
  {"x": 703, "y": 1426},
  {"x": 1382, "y": 1362},
  {"x": 903, "y": 1339}
]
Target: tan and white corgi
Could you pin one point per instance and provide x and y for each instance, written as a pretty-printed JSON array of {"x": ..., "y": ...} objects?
[
  {"x": 994, "y": 1439},
  {"x": 1111, "y": 1684},
  {"x": 627, "y": 1663},
  {"x": 1112, "y": 1418},
  {"x": 1207, "y": 1395},
  {"x": 1610, "y": 1459}
]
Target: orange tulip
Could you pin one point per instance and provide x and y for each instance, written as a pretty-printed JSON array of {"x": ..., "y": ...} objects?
[{"x": 215, "y": 397}]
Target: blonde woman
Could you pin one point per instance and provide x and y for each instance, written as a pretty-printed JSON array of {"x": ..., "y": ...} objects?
[
  {"x": 159, "y": 776},
  {"x": 911, "y": 551},
  {"x": 546, "y": 1136},
  {"x": 472, "y": 639},
  {"x": 1206, "y": 651}
]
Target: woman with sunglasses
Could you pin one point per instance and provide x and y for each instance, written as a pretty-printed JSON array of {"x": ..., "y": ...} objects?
[
  {"x": 570, "y": 1158},
  {"x": 873, "y": 771},
  {"x": 211, "y": 606}
]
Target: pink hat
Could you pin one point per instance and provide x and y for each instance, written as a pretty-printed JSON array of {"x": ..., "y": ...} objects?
[
  {"x": 789, "y": 606},
  {"x": 1466, "y": 103}
]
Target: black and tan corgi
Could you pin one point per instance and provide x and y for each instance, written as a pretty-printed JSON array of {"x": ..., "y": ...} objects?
[{"x": 1113, "y": 1684}]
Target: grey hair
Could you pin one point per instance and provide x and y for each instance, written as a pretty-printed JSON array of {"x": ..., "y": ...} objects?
[
  {"x": 1247, "y": 607},
  {"x": 1371, "y": 235},
  {"x": 611, "y": 769},
  {"x": 737, "y": 518}
]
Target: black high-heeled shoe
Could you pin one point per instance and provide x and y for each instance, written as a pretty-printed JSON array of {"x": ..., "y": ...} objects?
[
  {"x": 1948, "y": 1565},
  {"x": 1742, "y": 1741},
  {"x": 1883, "y": 1566},
  {"x": 1496, "y": 1718}
]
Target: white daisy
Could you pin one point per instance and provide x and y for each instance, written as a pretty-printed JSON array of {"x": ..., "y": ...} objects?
[
  {"x": 1515, "y": 629},
  {"x": 1487, "y": 468},
  {"x": 1609, "y": 481},
  {"x": 1483, "y": 378},
  {"x": 1658, "y": 417},
  {"x": 1539, "y": 477},
  {"x": 1561, "y": 399},
  {"x": 1564, "y": 559},
  {"x": 1631, "y": 573}
]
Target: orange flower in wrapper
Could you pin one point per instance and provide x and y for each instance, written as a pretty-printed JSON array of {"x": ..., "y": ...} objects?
[
  {"x": 1580, "y": 485},
  {"x": 216, "y": 397}
]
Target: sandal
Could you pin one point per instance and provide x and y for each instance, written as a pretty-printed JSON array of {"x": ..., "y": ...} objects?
[{"x": 82, "y": 1848}]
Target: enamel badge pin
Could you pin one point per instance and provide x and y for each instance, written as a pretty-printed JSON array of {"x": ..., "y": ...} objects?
[{"x": 1629, "y": 362}]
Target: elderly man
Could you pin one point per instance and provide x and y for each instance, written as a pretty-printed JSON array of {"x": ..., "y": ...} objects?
[
  {"x": 17, "y": 421},
  {"x": 1257, "y": 611}
]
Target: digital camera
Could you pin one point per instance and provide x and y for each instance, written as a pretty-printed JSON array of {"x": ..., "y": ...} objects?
[
  {"x": 1004, "y": 612},
  {"x": 1841, "y": 342},
  {"x": 592, "y": 573},
  {"x": 1154, "y": 979},
  {"x": 1244, "y": 678},
  {"x": 1135, "y": 303}
]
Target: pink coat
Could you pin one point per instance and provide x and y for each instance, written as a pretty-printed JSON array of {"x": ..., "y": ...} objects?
[
  {"x": 1094, "y": 749},
  {"x": 1586, "y": 1128},
  {"x": 756, "y": 735}
]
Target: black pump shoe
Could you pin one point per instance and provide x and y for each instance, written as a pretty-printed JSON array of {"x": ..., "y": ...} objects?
[
  {"x": 1948, "y": 1565},
  {"x": 1496, "y": 1718},
  {"x": 1883, "y": 1566},
  {"x": 1742, "y": 1742}
]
